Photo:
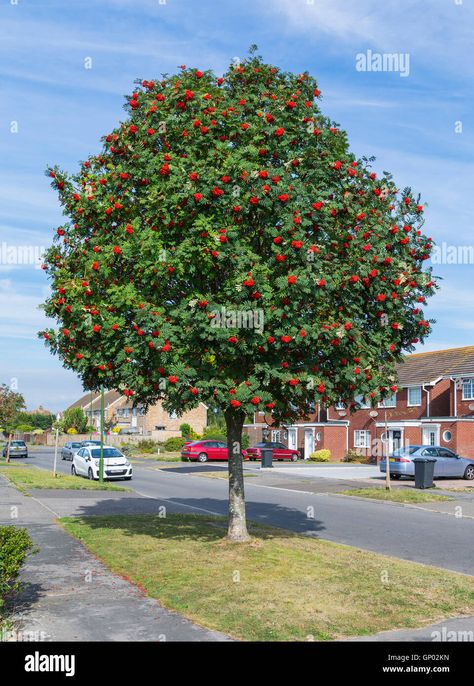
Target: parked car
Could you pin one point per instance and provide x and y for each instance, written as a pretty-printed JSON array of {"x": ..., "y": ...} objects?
[
  {"x": 17, "y": 449},
  {"x": 448, "y": 463},
  {"x": 86, "y": 462},
  {"x": 205, "y": 450},
  {"x": 84, "y": 444},
  {"x": 68, "y": 450},
  {"x": 130, "y": 430},
  {"x": 280, "y": 451}
]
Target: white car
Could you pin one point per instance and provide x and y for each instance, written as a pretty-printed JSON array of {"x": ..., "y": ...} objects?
[{"x": 87, "y": 460}]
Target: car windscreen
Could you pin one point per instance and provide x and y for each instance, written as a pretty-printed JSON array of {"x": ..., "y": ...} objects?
[
  {"x": 75, "y": 445},
  {"x": 108, "y": 452},
  {"x": 409, "y": 450},
  {"x": 19, "y": 443}
]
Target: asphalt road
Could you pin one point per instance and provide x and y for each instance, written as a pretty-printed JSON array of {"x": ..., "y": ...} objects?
[{"x": 407, "y": 532}]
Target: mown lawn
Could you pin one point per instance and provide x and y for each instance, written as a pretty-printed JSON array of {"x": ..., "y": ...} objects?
[
  {"x": 280, "y": 586},
  {"x": 25, "y": 478},
  {"x": 396, "y": 495}
]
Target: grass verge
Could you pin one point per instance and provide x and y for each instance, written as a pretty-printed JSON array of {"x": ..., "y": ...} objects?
[
  {"x": 279, "y": 586},
  {"x": 399, "y": 495},
  {"x": 220, "y": 475},
  {"x": 25, "y": 478}
]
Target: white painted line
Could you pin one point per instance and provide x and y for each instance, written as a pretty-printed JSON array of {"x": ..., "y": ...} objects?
[{"x": 167, "y": 500}]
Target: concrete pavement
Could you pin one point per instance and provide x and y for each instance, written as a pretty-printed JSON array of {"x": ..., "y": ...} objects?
[{"x": 71, "y": 596}]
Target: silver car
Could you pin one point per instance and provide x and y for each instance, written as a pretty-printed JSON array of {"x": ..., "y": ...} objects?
[
  {"x": 448, "y": 464},
  {"x": 69, "y": 450}
]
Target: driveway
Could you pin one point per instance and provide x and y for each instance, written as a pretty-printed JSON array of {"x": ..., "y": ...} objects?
[{"x": 333, "y": 471}]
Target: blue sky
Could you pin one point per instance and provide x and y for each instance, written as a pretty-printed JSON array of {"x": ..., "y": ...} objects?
[{"x": 53, "y": 110}]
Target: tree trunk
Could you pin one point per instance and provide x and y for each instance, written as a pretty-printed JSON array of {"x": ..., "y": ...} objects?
[
  {"x": 237, "y": 530},
  {"x": 8, "y": 446}
]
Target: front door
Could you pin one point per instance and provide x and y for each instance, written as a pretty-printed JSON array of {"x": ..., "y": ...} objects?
[
  {"x": 292, "y": 439},
  {"x": 308, "y": 443},
  {"x": 395, "y": 440},
  {"x": 430, "y": 435}
]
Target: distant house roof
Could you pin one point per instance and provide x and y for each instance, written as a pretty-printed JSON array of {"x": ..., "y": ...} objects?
[
  {"x": 94, "y": 398},
  {"x": 430, "y": 366},
  {"x": 40, "y": 410},
  {"x": 109, "y": 398}
]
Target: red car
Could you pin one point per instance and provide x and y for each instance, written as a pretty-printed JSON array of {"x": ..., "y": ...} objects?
[
  {"x": 280, "y": 452},
  {"x": 205, "y": 450}
]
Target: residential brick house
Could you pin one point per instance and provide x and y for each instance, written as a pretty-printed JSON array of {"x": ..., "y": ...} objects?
[
  {"x": 434, "y": 405},
  {"x": 156, "y": 422}
]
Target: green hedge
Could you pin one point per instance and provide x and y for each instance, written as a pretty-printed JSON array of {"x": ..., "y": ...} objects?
[
  {"x": 15, "y": 544},
  {"x": 174, "y": 444},
  {"x": 323, "y": 455}
]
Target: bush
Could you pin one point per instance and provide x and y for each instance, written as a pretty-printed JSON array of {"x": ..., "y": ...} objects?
[
  {"x": 24, "y": 428},
  {"x": 354, "y": 456},
  {"x": 15, "y": 544},
  {"x": 320, "y": 456},
  {"x": 174, "y": 444},
  {"x": 116, "y": 430},
  {"x": 147, "y": 445},
  {"x": 214, "y": 430},
  {"x": 185, "y": 430}
]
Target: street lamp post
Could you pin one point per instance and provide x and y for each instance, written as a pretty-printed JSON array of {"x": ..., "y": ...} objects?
[
  {"x": 387, "y": 453},
  {"x": 374, "y": 414},
  {"x": 56, "y": 442},
  {"x": 101, "y": 461}
]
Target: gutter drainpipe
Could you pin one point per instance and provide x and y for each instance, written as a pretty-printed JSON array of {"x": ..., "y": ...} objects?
[{"x": 427, "y": 400}]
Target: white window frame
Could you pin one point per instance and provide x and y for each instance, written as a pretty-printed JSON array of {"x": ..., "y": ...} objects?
[
  {"x": 360, "y": 434},
  {"x": 389, "y": 402},
  {"x": 173, "y": 414},
  {"x": 413, "y": 388},
  {"x": 468, "y": 382},
  {"x": 276, "y": 436},
  {"x": 364, "y": 405},
  {"x": 340, "y": 406}
]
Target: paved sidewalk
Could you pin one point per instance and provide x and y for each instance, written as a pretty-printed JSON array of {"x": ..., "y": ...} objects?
[
  {"x": 71, "y": 596},
  {"x": 458, "y": 629}
]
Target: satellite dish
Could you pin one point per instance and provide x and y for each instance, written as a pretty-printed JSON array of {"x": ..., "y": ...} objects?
[
  {"x": 373, "y": 414},
  {"x": 471, "y": 406}
]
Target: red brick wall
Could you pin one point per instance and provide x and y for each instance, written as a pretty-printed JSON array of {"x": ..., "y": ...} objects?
[
  {"x": 463, "y": 439},
  {"x": 440, "y": 399},
  {"x": 462, "y": 405}
]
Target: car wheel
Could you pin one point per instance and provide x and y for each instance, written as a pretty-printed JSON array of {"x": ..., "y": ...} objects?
[
  {"x": 90, "y": 475},
  {"x": 469, "y": 473},
  {"x": 294, "y": 458},
  {"x": 395, "y": 476},
  {"x": 202, "y": 457},
  {"x": 73, "y": 470},
  {"x": 127, "y": 478}
]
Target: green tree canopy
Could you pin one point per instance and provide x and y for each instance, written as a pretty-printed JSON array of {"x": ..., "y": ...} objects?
[
  {"x": 74, "y": 418},
  {"x": 226, "y": 246}
]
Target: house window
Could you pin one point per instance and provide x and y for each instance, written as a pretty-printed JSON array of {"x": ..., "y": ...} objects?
[
  {"x": 468, "y": 389},
  {"x": 122, "y": 412},
  {"x": 362, "y": 402},
  {"x": 447, "y": 436},
  {"x": 361, "y": 439},
  {"x": 414, "y": 396},
  {"x": 276, "y": 436},
  {"x": 390, "y": 401},
  {"x": 340, "y": 405},
  {"x": 173, "y": 415}
]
